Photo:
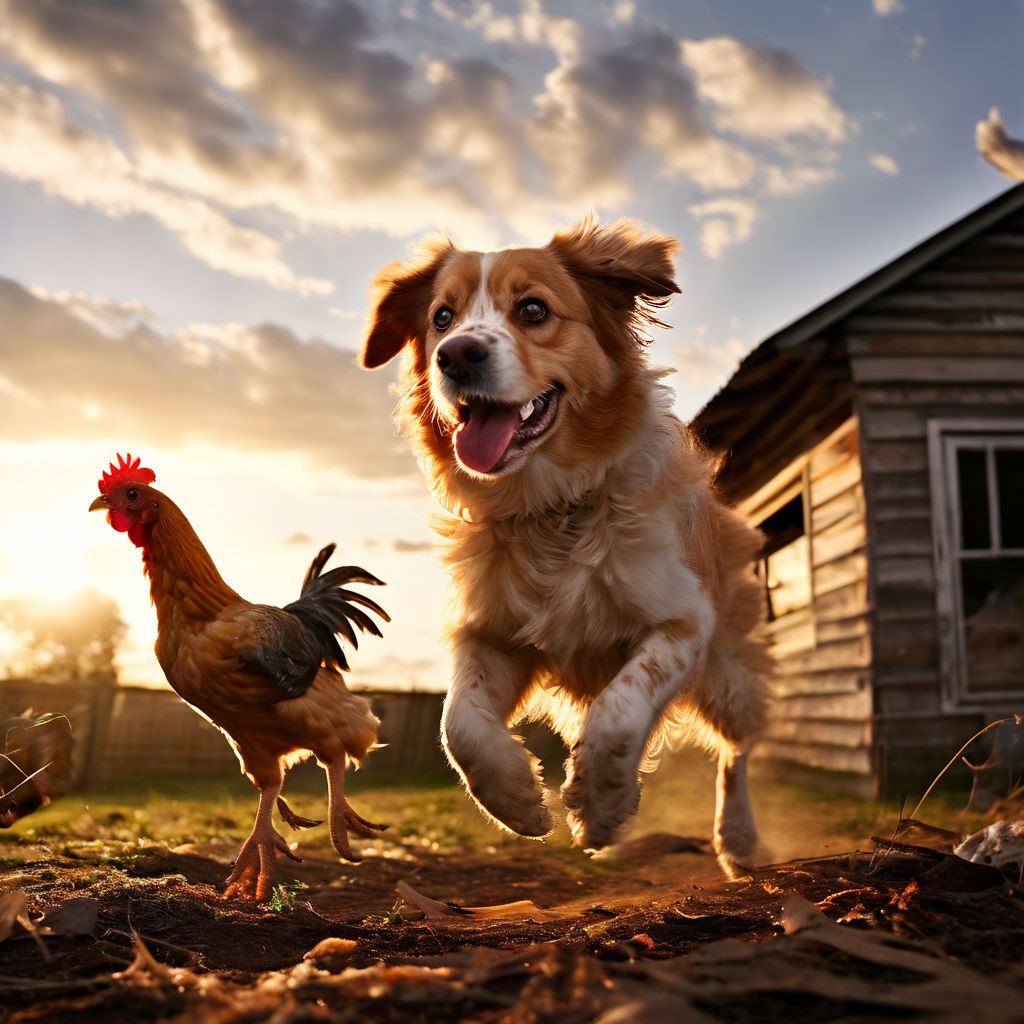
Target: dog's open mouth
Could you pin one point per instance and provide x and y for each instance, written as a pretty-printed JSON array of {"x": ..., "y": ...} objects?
[{"x": 488, "y": 431}]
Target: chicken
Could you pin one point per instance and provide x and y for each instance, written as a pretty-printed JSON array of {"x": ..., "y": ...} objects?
[
  {"x": 269, "y": 678},
  {"x": 35, "y": 763}
]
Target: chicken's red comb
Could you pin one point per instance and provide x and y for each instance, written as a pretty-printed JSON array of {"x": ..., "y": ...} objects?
[{"x": 127, "y": 470}]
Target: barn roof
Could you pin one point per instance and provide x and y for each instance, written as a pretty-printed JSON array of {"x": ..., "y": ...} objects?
[{"x": 800, "y": 375}]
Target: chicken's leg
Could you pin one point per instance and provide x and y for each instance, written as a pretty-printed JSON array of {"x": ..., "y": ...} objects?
[
  {"x": 253, "y": 874},
  {"x": 342, "y": 817}
]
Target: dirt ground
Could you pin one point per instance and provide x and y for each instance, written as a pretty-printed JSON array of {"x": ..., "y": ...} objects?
[{"x": 131, "y": 925}]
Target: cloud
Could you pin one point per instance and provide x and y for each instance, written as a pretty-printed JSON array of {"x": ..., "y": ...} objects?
[
  {"x": 885, "y": 164},
  {"x": 407, "y": 546},
  {"x": 726, "y": 221},
  {"x": 705, "y": 365},
  {"x": 797, "y": 177},
  {"x": 602, "y": 112},
  {"x": 762, "y": 92},
  {"x": 106, "y": 315},
  {"x": 238, "y": 123},
  {"x": 885, "y": 8},
  {"x": 86, "y": 168},
  {"x": 250, "y": 389},
  {"x": 283, "y": 107}
]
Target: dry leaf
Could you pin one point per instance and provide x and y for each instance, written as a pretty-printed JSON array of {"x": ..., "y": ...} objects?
[
  {"x": 75, "y": 916},
  {"x": 520, "y": 910},
  {"x": 13, "y": 907},
  {"x": 331, "y": 954}
]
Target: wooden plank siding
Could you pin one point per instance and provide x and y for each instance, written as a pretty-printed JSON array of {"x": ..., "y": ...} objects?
[
  {"x": 946, "y": 344},
  {"x": 822, "y": 713},
  {"x": 849, "y": 404}
]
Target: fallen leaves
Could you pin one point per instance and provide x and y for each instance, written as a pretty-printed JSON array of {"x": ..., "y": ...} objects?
[
  {"x": 75, "y": 916},
  {"x": 519, "y": 910},
  {"x": 929, "y": 936}
]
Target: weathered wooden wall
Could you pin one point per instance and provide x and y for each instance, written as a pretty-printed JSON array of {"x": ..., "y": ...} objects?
[
  {"x": 946, "y": 343},
  {"x": 822, "y": 714}
]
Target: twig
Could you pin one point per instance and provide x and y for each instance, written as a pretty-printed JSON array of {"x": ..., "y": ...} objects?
[
  {"x": 953, "y": 759},
  {"x": 895, "y": 833},
  {"x": 27, "y": 778},
  {"x": 194, "y": 959}
]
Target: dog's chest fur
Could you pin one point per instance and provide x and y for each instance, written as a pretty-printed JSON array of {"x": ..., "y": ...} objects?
[{"x": 581, "y": 585}]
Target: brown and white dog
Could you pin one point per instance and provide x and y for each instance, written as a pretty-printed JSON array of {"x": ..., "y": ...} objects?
[{"x": 597, "y": 581}]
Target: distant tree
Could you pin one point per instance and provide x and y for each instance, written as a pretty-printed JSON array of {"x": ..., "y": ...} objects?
[{"x": 72, "y": 639}]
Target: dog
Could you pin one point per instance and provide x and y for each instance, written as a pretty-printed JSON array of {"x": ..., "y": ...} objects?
[{"x": 597, "y": 581}]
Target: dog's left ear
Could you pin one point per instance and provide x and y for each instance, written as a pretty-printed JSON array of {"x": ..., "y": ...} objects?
[
  {"x": 622, "y": 259},
  {"x": 399, "y": 301}
]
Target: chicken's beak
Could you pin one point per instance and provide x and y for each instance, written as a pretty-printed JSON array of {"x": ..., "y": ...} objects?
[{"x": 100, "y": 502}]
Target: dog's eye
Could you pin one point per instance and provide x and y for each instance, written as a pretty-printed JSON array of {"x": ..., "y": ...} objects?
[
  {"x": 443, "y": 318},
  {"x": 533, "y": 311}
]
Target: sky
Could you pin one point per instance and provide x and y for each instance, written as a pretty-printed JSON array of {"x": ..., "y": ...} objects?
[{"x": 195, "y": 194}]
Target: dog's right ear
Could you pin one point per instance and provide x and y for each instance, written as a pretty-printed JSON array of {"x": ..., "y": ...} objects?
[{"x": 400, "y": 298}]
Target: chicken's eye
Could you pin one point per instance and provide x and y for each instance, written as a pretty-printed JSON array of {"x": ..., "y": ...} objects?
[
  {"x": 131, "y": 494},
  {"x": 443, "y": 318},
  {"x": 533, "y": 311}
]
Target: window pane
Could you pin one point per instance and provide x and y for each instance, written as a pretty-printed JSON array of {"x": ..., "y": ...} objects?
[
  {"x": 1010, "y": 476},
  {"x": 972, "y": 482},
  {"x": 993, "y": 603},
  {"x": 783, "y": 526},
  {"x": 789, "y": 578}
]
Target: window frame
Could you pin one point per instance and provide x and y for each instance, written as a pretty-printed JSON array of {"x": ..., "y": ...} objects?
[{"x": 945, "y": 438}]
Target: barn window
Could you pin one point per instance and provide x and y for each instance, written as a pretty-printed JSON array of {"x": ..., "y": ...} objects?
[
  {"x": 785, "y": 567},
  {"x": 979, "y": 493},
  {"x": 784, "y": 564}
]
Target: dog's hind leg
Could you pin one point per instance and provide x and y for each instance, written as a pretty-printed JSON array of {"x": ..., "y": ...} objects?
[
  {"x": 731, "y": 699},
  {"x": 735, "y": 837},
  {"x": 488, "y": 686}
]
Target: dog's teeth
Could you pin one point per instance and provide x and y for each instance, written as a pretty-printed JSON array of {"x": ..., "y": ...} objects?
[{"x": 526, "y": 410}]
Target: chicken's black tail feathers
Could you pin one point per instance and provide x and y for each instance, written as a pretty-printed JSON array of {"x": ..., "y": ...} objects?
[{"x": 329, "y": 610}]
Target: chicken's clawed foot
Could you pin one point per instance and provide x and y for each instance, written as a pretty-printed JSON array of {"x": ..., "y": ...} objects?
[
  {"x": 344, "y": 819},
  {"x": 289, "y": 817},
  {"x": 254, "y": 868}
]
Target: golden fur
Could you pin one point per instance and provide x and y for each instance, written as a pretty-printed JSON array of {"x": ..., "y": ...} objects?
[{"x": 596, "y": 580}]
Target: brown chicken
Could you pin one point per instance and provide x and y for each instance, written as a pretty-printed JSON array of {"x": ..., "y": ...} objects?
[{"x": 269, "y": 678}]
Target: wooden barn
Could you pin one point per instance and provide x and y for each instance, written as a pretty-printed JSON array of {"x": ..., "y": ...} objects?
[{"x": 879, "y": 443}]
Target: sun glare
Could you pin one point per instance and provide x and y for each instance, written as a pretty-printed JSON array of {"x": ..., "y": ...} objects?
[{"x": 48, "y": 555}]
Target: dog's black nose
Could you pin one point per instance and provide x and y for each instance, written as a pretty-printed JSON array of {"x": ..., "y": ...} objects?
[{"x": 459, "y": 357}]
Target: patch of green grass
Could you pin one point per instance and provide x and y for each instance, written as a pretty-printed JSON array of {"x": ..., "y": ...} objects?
[
  {"x": 282, "y": 900},
  {"x": 105, "y": 825}
]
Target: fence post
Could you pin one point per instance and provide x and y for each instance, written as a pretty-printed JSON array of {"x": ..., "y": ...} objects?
[{"x": 100, "y": 708}]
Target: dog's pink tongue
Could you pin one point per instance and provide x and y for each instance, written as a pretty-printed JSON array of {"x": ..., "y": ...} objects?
[{"x": 482, "y": 440}]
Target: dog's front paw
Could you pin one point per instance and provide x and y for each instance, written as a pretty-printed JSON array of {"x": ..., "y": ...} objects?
[
  {"x": 599, "y": 794},
  {"x": 514, "y": 795},
  {"x": 522, "y": 812}
]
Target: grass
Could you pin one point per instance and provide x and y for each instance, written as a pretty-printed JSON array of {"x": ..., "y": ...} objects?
[{"x": 116, "y": 823}]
